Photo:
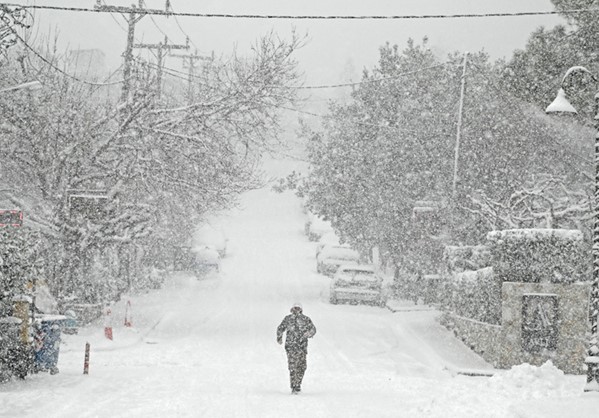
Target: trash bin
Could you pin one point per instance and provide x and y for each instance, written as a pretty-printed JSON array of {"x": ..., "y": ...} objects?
[{"x": 47, "y": 342}]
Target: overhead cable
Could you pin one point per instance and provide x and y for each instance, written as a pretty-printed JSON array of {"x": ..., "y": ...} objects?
[
  {"x": 48, "y": 62},
  {"x": 155, "y": 12},
  {"x": 180, "y": 27},
  {"x": 328, "y": 86}
]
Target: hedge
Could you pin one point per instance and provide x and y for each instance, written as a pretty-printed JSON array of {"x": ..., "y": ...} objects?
[{"x": 539, "y": 255}]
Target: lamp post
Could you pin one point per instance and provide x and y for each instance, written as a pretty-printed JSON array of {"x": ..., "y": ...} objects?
[{"x": 561, "y": 104}]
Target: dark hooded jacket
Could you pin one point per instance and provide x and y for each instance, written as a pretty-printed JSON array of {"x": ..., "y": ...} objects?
[{"x": 299, "y": 328}]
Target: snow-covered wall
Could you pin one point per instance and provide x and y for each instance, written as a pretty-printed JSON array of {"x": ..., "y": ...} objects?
[{"x": 481, "y": 337}]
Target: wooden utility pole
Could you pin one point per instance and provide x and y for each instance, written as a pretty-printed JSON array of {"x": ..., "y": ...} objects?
[
  {"x": 459, "y": 130},
  {"x": 161, "y": 48},
  {"x": 135, "y": 15},
  {"x": 189, "y": 62}
]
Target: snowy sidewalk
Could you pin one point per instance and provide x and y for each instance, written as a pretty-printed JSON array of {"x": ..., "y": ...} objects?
[
  {"x": 528, "y": 384},
  {"x": 456, "y": 357}
]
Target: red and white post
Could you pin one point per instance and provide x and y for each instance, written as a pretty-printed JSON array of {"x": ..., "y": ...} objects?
[
  {"x": 128, "y": 319},
  {"x": 86, "y": 360},
  {"x": 108, "y": 324}
]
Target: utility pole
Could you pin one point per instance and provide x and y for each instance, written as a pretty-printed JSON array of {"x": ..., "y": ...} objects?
[
  {"x": 189, "y": 62},
  {"x": 135, "y": 15},
  {"x": 459, "y": 131},
  {"x": 161, "y": 48}
]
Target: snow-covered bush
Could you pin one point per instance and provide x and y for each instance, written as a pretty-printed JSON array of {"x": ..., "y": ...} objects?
[
  {"x": 473, "y": 294},
  {"x": 469, "y": 288},
  {"x": 20, "y": 264},
  {"x": 468, "y": 257},
  {"x": 538, "y": 255}
]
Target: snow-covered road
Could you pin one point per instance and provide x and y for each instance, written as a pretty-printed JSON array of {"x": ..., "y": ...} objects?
[{"x": 207, "y": 348}]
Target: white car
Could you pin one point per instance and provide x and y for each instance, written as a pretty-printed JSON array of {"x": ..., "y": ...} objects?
[
  {"x": 357, "y": 284},
  {"x": 331, "y": 257},
  {"x": 315, "y": 227},
  {"x": 330, "y": 239},
  {"x": 211, "y": 236},
  {"x": 205, "y": 259}
]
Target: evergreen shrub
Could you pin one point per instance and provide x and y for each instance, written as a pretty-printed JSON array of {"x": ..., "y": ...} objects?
[
  {"x": 538, "y": 255},
  {"x": 474, "y": 294}
]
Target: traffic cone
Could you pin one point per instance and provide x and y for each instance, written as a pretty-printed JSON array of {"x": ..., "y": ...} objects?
[
  {"x": 108, "y": 324},
  {"x": 128, "y": 321}
]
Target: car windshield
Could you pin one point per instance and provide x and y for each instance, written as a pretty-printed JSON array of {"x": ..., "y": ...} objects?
[
  {"x": 357, "y": 275},
  {"x": 340, "y": 253}
]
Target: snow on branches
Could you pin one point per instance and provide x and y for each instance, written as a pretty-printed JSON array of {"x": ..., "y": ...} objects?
[{"x": 544, "y": 201}]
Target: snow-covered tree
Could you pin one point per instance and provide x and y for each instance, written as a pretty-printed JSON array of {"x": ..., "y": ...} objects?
[
  {"x": 544, "y": 201},
  {"x": 392, "y": 147},
  {"x": 118, "y": 182},
  {"x": 535, "y": 72}
]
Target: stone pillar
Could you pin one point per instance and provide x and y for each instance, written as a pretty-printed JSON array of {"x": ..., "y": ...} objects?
[{"x": 544, "y": 321}]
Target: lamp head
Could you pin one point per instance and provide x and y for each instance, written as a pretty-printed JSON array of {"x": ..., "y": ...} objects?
[{"x": 560, "y": 104}]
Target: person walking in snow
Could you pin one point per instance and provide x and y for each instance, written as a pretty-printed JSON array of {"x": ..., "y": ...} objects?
[{"x": 299, "y": 328}]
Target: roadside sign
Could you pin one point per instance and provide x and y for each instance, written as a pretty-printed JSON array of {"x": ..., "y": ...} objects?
[{"x": 90, "y": 204}]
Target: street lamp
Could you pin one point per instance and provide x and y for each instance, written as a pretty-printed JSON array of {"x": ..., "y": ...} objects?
[{"x": 561, "y": 104}]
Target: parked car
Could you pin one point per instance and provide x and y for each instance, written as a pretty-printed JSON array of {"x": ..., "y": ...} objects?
[
  {"x": 357, "y": 284},
  {"x": 330, "y": 239},
  {"x": 332, "y": 256},
  {"x": 211, "y": 236},
  {"x": 315, "y": 227},
  {"x": 206, "y": 258}
]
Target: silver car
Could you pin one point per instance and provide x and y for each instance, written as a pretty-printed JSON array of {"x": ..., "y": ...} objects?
[
  {"x": 357, "y": 284},
  {"x": 330, "y": 257}
]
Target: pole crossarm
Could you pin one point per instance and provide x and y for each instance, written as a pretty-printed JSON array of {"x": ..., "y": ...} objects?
[
  {"x": 190, "y": 61},
  {"x": 161, "y": 48}
]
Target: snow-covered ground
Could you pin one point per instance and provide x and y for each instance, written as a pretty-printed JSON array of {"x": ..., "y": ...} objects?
[{"x": 206, "y": 348}]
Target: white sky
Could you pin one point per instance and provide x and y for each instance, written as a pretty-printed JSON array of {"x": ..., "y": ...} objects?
[{"x": 336, "y": 51}]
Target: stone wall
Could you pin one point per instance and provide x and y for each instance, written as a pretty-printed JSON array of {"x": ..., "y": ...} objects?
[
  {"x": 482, "y": 338},
  {"x": 543, "y": 313},
  {"x": 544, "y": 321}
]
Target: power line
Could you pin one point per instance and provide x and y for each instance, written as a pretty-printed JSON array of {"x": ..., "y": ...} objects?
[
  {"x": 356, "y": 122},
  {"x": 154, "y": 22},
  {"x": 48, "y": 62},
  {"x": 175, "y": 73},
  {"x": 123, "y": 28},
  {"x": 170, "y": 4},
  {"x": 328, "y": 86},
  {"x": 305, "y": 17},
  {"x": 114, "y": 18}
]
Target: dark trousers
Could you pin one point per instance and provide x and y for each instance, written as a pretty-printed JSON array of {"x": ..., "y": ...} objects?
[{"x": 296, "y": 361}]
